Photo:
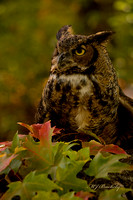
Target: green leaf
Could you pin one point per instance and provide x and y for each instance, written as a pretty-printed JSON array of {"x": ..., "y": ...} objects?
[
  {"x": 100, "y": 166},
  {"x": 46, "y": 195},
  {"x": 30, "y": 185},
  {"x": 82, "y": 155},
  {"x": 113, "y": 194},
  {"x": 54, "y": 196},
  {"x": 67, "y": 177},
  {"x": 40, "y": 157},
  {"x": 94, "y": 136},
  {"x": 59, "y": 151},
  {"x": 70, "y": 196},
  {"x": 15, "y": 142},
  {"x": 39, "y": 182},
  {"x": 5, "y": 162},
  {"x": 15, "y": 165}
]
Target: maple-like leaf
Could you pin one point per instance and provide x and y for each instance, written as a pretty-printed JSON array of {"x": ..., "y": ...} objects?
[
  {"x": 96, "y": 147},
  {"x": 46, "y": 195},
  {"x": 40, "y": 157},
  {"x": 83, "y": 154},
  {"x": 30, "y": 186},
  {"x": 114, "y": 194},
  {"x": 5, "y": 161},
  {"x": 60, "y": 150},
  {"x": 45, "y": 134},
  {"x": 12, "y": 159},
  {"x": 41, "y": 130},
  {"x": 55, "y": 196},
  {"x": 100, "y": 166},
  {"x": 66, "y": 177}
]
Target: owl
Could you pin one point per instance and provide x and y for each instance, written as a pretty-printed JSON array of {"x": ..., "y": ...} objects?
[{"x": 82, "y": 94}]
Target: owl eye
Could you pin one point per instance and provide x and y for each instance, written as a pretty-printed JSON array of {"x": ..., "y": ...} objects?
[{"x": 80, "y": 51}]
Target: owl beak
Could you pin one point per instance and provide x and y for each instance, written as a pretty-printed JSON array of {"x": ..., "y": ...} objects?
[{"x": 63, "y": 59}]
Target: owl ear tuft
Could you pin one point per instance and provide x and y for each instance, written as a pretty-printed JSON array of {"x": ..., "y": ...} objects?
[
  {"x": 101, "y": 37},
  {"x": 65, "y": 31}
]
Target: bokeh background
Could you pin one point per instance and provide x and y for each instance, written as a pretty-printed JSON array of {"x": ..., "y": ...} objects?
[{"x": 28, "y": 36}]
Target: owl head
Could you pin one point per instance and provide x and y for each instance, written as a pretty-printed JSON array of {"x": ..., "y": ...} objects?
[{"x": 77, "y": 52}]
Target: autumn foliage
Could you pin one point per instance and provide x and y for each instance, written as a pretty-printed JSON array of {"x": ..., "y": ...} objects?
[{"x": 49, "y": 170}]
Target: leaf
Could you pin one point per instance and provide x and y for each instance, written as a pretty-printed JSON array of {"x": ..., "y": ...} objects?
[
  {"x": 5, "y": 161},
  {"x": 30, "y": 186},
  {"x": 45, "y": 134},
  {"x": 94, "y": 136},
  {"x": 83, "y": 154},
  {"x": 37, "y": 128},
  {"x": 56, "y": 131},
  {"x": 95, "y": 147},
  {"x": 4, "y": 145},
  {"x": 15, "y": 165},
  {"x": 46, "y": 195},
  {"x": 21, "y": 136},
  {"x": 19, "y": 149},
  {"x": 111, "y": 148},
  {"x": 60, "y": 150},
  {"x": 67, "y": 177},
  {"x": 55, "y": 196},
  {"x": 40, "y": 157},
  {"x": 41, "y": 130},
  {"x": 84, "y": 195},
  {"x": 113, "y": 194},
  {"x": 100, "y": 166},
  {"x": 70, "y": 196},
  {"x": 72, "y": 164},
  {"x": 15, "y": 142},
  {"x": 26, "y": 126}
]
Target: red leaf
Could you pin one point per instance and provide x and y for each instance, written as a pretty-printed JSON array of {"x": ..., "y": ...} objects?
[
  {"x": 84, "y": 195},
  {"x": 111, "y": 148},
  {"x": 96, "y": 147},
  {"x": 6, "y": 162},
  {"x": 93, "y": 145},
  {"x": 36, "y": 128},
  {"x": 44, "y": 132},
  {"x": 56, "y": 131},
  {"x": 4, "y": 145}
]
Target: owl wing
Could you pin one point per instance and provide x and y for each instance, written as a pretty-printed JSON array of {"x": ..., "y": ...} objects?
[
  {"x": 125, "y": 117},
  {"x": 41, "y": 113}
]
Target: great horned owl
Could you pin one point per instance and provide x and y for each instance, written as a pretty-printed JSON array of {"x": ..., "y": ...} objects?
[{"x": 82, "y": 93}]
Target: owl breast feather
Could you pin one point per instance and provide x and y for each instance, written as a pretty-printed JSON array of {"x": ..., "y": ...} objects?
[{"x": 71, "y": 102}]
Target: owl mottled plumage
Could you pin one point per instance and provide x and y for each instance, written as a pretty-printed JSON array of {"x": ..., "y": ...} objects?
[{"x": 82, "y": 93}]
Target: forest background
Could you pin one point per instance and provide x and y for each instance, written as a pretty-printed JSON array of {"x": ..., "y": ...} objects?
[{"x": 27, "y": 40}]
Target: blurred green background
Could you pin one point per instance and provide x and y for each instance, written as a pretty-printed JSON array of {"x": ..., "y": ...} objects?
[{"x": 28, "y": 37}]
